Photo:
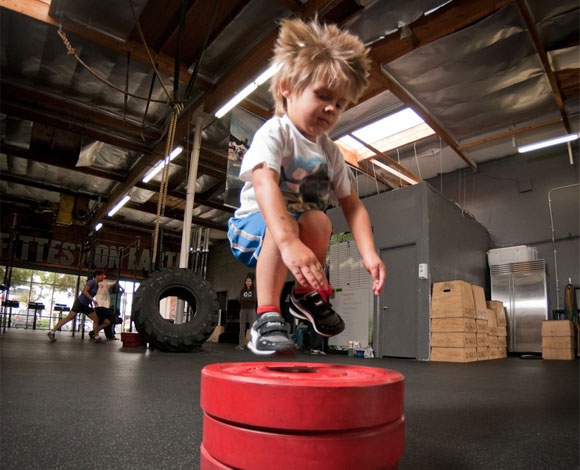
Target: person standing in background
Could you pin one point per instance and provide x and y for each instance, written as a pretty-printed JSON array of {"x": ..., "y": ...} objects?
[
  {"x": 85, "y": 303},
  {"x": 248, "y": 303}
]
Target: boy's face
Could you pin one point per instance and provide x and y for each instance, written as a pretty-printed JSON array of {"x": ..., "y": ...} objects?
[{"x": 316, "y": 109}]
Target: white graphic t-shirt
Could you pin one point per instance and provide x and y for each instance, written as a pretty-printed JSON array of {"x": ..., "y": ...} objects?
[{"x": 309, "y": 171}]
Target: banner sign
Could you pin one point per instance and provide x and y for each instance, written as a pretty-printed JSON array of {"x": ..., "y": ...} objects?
[{"x": 243, "y": 126}]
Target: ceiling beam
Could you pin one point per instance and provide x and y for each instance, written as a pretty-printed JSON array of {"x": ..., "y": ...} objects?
[
  {"x": 56, "y": 111},
  {"x": 531, "y": 25},
  {"x": 40, "y": 10}
]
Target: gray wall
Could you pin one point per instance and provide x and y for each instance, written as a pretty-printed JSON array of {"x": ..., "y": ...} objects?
[
  {"x": 458, "y": 244},
  {"x": 449, "y": 240},
  {"x": 512, "y": 198}
]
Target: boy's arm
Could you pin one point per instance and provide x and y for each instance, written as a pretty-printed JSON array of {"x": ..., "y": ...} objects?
[
  {"x": 360, "y": 225},
  {"x": 282, "y": 227}
]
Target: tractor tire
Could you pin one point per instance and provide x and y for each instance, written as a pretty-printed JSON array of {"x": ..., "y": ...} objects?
[{"x": 163, "y": 334}]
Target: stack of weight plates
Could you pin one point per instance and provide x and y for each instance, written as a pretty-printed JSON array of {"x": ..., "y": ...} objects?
[{"x": 288, "y": 416}]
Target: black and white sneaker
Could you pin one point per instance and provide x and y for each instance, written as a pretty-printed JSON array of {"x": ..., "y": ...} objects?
[
  {"x": 268, "y": 336},
  {"x": 313, "y": 308}
]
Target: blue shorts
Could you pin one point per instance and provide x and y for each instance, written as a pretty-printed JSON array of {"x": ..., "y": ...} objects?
[{"x": 246, "y": 235}]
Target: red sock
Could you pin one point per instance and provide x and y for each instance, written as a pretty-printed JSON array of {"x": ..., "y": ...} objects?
[{"x": 268, "y": 308}]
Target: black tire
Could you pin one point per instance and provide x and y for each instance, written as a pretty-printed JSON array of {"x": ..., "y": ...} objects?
[{"x": 164, "y": 334}]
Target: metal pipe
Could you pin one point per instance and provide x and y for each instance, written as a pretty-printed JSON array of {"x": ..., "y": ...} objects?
[
  {"x": 554, "y": 240},
  {"x": 188, "y": 215}
]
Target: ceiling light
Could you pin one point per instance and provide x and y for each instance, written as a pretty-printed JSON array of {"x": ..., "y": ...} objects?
[
  {"x": 120, "y": 204},
  {"x": 98, "y": 227},
  {"x": 157, "y": 168},
  {"x": 548, "y": 143},
  {"x": 248, "y": 90}
]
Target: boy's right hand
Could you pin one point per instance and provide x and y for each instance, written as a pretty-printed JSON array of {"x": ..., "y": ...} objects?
[{"x": 304, "y": 265}]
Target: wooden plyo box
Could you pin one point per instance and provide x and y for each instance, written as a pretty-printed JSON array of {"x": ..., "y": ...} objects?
[
  {"x": 479, "y": 301},
  {"x": 558, "y": 353},
  {"x": 491, "y": 322},
  {"x": 498, "y": 308},
  {"x": 557, "y": 328},
  {"x": 483, "y": 353},
  {"x": 454, "y": 354},
  {"x": 558, "y": 340},
  {"x": 453, "y": 340},
  {"x": 452, "y": 299},
  {"x": 453, "y": 325}
]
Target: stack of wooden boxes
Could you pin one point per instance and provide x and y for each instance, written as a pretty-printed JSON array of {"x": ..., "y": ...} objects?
[
  {"x": 558, "y": 339},
  {"x": 498, "y": 332},
  {"x": 481, "y": 323},
  {"x": 453, "y": 322}
]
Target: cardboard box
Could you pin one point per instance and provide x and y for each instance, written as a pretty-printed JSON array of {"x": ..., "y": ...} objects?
[
  {"x": 452, "y": 299},
  {"x": 453, "y": 325},
  {"x": 454, "y": 354},
  {"x": 498, "y": 308},
  {"x": 453, "y": 340},
  {"x": 493, "y": 353},
  {"x": 479, "y": 301},
  {"x": 557, "y": 328},
  {"x": 502, "y": 331},
  {"x": 558, "y": 353},
  {"x": 493, "y": 341}
]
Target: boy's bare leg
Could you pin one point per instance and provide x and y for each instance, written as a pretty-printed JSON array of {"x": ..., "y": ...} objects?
[
  {"x": 268, "y": 334},
  {"x": 271, "y": 273}
]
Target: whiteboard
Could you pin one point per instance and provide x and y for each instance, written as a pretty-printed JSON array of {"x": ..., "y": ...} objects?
[{"x": 354, "y": 305}]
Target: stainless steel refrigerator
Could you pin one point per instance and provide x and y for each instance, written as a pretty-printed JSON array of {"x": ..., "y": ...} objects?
[{"x": 522, "y": 289}]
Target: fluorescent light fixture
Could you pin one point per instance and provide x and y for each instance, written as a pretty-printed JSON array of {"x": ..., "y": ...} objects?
[
  {"x": 120, "y": 204},
  {"x": 434, "y": 9},
  {"x": 98, "y": 227},
  {"x": 157, "y": 168},
  {"x": 248, "y": 90},
  {"x": 398, "y": 174},
  {"x": 548, "y": 143}
]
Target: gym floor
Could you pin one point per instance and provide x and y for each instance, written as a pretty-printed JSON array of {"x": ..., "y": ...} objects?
[{"x": 78, "y": 405}]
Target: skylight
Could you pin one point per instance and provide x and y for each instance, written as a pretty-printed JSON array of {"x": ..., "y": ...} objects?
[{"x": 388, "y": 133}]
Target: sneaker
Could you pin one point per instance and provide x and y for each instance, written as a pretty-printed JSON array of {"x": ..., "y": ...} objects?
[
  {"x": 239, "y": 347},
  {"x": 98, "y": 339},
  {"x": 51, "y": 336},
  {"x": 91, "y": 335},
  {"x": 313, "y": 308},
  {"x": 268, "y": 336}
]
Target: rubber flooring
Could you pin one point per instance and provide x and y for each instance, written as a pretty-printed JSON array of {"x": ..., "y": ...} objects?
[{"x": 79, "y": 405}]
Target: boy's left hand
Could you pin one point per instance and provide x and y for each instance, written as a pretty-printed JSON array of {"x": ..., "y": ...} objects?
[{"x": 376, "y": 268}]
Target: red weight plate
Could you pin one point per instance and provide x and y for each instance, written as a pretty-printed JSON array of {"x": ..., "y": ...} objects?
[
  {"x": 208, "y": 462},
  {"x": 301, "y": 396},
  {"x": 375, "y": 448}
]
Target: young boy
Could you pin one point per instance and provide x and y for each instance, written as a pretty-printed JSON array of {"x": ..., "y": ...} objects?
[{"x": 289, "y": 172}]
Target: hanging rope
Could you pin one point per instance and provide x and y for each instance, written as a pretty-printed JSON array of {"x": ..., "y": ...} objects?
[
  {"x": 175, "y": 111},
  {"x": 72, "y": 51}
]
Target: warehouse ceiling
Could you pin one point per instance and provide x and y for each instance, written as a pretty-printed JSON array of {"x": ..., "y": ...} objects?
[{"x": 88, "y": 91}]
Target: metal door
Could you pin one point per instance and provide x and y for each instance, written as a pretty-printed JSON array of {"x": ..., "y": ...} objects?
[{"x": 397, "y": 310}]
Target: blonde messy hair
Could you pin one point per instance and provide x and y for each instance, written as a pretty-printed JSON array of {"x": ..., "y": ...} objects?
[{"x": 308, "y": 52}]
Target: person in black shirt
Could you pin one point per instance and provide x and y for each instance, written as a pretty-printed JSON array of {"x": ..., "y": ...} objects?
[{"x": 247, "y": 309}]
